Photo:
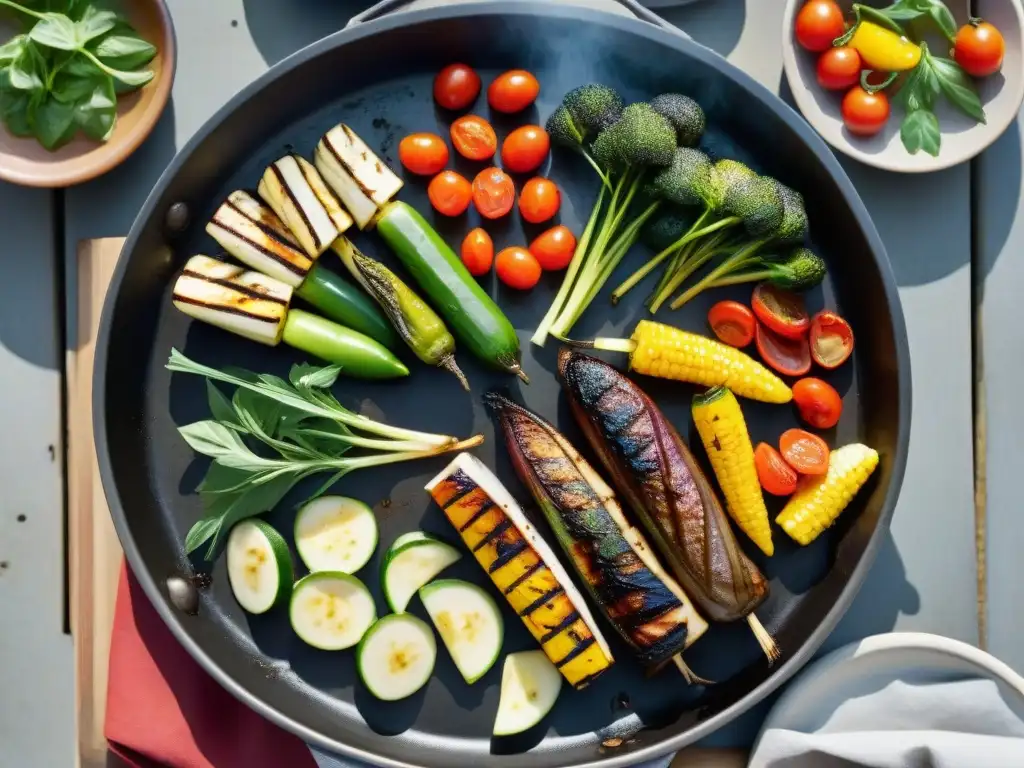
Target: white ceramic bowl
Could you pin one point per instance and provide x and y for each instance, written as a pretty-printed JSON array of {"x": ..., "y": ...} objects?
[{"x": 962, "y": 138}]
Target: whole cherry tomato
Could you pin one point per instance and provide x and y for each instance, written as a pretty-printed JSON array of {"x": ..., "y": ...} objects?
[
  {"x": 806, "y": 453},
  {"x": 494, "y": 193},
  {"x": 512, "y": 91},
  {"x": 449, "y": 193},
  {"x": 865, "y": 114},
  {"x": 539, "y": 200},
  {"x": 776, "y": 476},
  {"x": 456, "y": 86},
  {"x": 732, "y": 322},
  {"x": 979, "y": 48},
  {"x": 554, "y": 248},
  {"x": 818, "y": 402},
  {"x": 525, "y": 149},
  {"x": 474, "y": 138},
  {"x": 839, "y": 68},
  {"x": 517, "y": 268},
  {"x": 818, "y": 23},
  {"x": 478, "y": 252},
  {"x": 423, "y": 153}
]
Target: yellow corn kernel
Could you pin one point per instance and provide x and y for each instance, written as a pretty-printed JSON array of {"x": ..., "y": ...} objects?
[
  {"x": 723, "y": 431},
  {"x": 819, "y": 500},
  {"x": 670, "y": 353}
]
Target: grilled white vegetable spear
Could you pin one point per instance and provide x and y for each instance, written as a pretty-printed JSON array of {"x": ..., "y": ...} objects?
[
  {"x": 256, "y": 236},
  {"x": 362, "y": 181},
  {"x": 257, "y": 307},
  {"x": 303, "y": 201}
]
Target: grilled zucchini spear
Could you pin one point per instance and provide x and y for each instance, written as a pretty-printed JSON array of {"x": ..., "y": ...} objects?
[
  {"x": 523, "y": 567},
  {"x": 646, "y": 606},
  {"x": 661, "y": 481},
  {"x": 356, "y": 175}
]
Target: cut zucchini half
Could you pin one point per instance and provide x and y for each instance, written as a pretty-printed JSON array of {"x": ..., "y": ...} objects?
[
  {"x": 530, "y": 685},
  {"x": 331, "y": 610},
  {"x": 413, "y": 560},
  {"x": 396, "y": 656},
  {"x": 469, "y": 622},
  {"x": 335, "y": 533},
  {"x": 362, "y": 181},
  {"x": 259, "y": 566}
]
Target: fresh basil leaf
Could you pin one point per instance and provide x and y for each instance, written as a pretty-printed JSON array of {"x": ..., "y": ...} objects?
[
  {"x": 28, "y": 69},
  {"x": 55, "y": 30},
  {"x": 957, "y": 87},
  {"x": 17, "y": 110},
  {"x": 257, "y": 499},
  {"x": 54, "y": 123},
  {"x": 200, "y": 532},
  {"x": 264, "y": 411},
  {"x": 125, "y": 52},
  {"x": 81, "y": 66},
  {"x": 312, "y": 376},
  {"x": 943, "y": 19},
  {"x": 220, "y": 406},
  {"x": 12, "y": 49},
  {"x": 134, "y": 79},
  {"x": 221, "y": 479},
  {"x": 920, "y": 130},
  {"x": 212, "y": 439},
  {"x": 94, "y": 23},
  {"x": 97, "y": 114},
  {"x": 72, "y": 89}
]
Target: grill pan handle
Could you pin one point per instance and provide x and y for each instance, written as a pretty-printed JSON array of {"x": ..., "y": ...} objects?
[{"x": 638, "y": 10}]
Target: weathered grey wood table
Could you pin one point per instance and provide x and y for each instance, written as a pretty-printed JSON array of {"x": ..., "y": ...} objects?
[{"x": 924, "y": 578}]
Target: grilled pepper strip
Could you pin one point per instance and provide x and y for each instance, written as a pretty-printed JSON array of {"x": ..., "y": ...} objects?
[{"x": 648, "y": 609}]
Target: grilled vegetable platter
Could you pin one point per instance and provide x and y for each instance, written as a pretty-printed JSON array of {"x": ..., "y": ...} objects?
[{"x": 482, "y": 408}]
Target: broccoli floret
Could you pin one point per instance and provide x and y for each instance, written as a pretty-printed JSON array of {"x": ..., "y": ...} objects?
[
  {"x": 794, "y": 216},
  {"x": 593, "y": 107},
  {"x": 563, "y": 130},
  {"x": 689, "y": 180},
  {"x": 665, "y": 228},
  {"x": 685, "y": 115},
  {"x": 801, "y": 270},
  {"x": 757, "y": 202},
  {"x": 729, "y": 173},
  {"x": 640, "y": 138}
]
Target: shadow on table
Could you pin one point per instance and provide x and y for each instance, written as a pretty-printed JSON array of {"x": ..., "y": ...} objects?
[
  {"x": 717, "y": 25},
  {"x": 997, "y": 202},
  {"x": 281, "y": 27}
]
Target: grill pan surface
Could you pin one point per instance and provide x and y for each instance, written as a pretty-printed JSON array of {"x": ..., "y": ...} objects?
[{"x": 377, "y": 77}]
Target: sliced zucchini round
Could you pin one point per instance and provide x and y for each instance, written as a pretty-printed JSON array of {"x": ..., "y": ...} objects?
[
  {"x": 469, "y": 622},
  {"x": 331, "y": 610},
  {"x": 530, "y": 685},
  {"x": 396, "y": 656},
  {"x": 259, "y": 566},
  {"x": 335, "y": 533},
  {"x": 412, "y": 561}
]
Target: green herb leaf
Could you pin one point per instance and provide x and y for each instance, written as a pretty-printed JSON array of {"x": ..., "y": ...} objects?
[
  {"x": 231, "y": 509},
  {"x": 94, "y": 23},
  {"x": 17, "y": 110},
  {"x": 54, "y": 122},
  {"x": 920, "y": 130},
  {"x": 265, "y": 412},
  {"x": 201, "y": 531},
  {"x": 212, "y": 439},
  {"x": 72, "y": 89},
  {"x": 28, "y": 70},
  {"x": 221, "y": 479},
  {"x": 936, "y": 10},
  {"x": 97, "y": 114},
  {"x": 79, "y": 66},
  {"x": 55, "y": 30},
  {"x": 125, "y": 52},
  {"x": 133, "y": 79},
  {"x": 307, "y": 376},
  {"x": 12, "y": 49},
  {"x": 220, "y": 406},
  {"x": 957, "y": 87}
]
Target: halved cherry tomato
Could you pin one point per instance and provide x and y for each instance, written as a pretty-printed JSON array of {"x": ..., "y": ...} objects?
[
  {"x": 525, "y": 149},
  {"x": 979, "y": 48},
  {"x": 539, "y": 200},
  {"x": 449, "y": 193},
  {"x": 865, "y": 114},
  {"x": 790, "y": 357},
  {"x": 456, "y": 86},
  {"x": 478, "y": 252},
  {"x": 818, "y": 23},
  {"x": 554, "y": 248},
  {"x": 474, "y": 138},
  {"x": 517, "y": 268},
  {"x": 831, "y": 339},
  {"x": 512, "y": 91},
  {"x": 839, "y": 68},
  {"x": 818, "y": 402},
  {"x": 494, "y": 193},
  {"x": 733, "y": 323},
  {"x": 806, "y": 453},
  {"x": 780, "y": 310},
  {"x": 423, "y": 153},
  {"x": 776, "y": 476}
]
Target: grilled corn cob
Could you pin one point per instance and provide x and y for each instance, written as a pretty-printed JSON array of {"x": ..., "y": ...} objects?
[
  {"x": 819, "y": 500},
  {"x": 723, "y": 431},
  {"x": 523, "y": 567},
  {"x": 300, "y": 197},
  {"x": 660, "y": 350}
]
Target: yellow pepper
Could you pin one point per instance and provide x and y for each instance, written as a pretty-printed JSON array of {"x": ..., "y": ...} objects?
[{"x": 883, "y": 49}]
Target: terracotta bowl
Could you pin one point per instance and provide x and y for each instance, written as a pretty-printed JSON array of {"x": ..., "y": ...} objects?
[{"x": 26, "y": 162}]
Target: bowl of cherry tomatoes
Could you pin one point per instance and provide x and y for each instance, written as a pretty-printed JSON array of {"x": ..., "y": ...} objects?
[{"x": 909, "y": 85}]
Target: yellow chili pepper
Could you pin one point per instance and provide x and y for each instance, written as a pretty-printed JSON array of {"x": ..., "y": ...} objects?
[{"x": 883, "y": 49}]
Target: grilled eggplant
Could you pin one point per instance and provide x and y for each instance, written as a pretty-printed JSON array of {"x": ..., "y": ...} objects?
[
  {"x": 645, "y": 605},
  {"x": 656, "y": 473},
  {"x": 357, "y": 176}
]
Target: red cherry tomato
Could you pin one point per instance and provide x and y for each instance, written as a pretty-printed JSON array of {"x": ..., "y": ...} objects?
[
  {"x": 979, "y": 48},
  {"x": 831, "y": 339},
  {"x": 818, "y": 402},
  {"x": 478, "y": 252},
  {"x": 423, "y": 153},
  {"x": 865, "y": 114},
  {"x": 776, "y": 476},
  {"x": 732, "y": 323},
  {"x": 449, "y": 193},
  {"x": 517, "y": 268},
  {"x": 494, "y": 193},
  {"x": 525, "y": 149},
  {"x": 474, "y": 138},
  {"x": 818, "y": 23},
  {"x": 839, "y": 68},
  {"x": 554, "y": 248},
  {"x": 456, "y": 86},
  {"x": 780, "y": 310},
  {"x": 790, "y": 357},
  {"x": 806, "y": 453},
  {"x": 539, "y": 200},
  {"x": 512, "y": 91}
]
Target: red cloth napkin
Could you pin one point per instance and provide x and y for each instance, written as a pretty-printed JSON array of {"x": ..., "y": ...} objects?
[{"x": 163, "y": 709}]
